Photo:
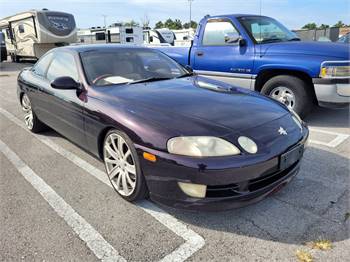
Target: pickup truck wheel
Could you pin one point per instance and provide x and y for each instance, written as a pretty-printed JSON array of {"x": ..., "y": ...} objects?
[{"x": 291, "y": 91}]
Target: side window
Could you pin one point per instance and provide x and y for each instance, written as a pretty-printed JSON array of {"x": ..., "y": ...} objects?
[
  {"x": 215, "y": 32},
  {"x": 63, "y": 64},
  {"x": 100, "y": 36},
  {"x": 41, "y": 66},
  {"x": 21, "y": 28}
]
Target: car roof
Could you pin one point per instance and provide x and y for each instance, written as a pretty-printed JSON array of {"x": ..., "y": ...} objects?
[{"x": 98, "y": 47}]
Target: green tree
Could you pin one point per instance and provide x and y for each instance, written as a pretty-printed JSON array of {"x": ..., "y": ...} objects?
[
  {"x": 310, "y": 26},
  {"x": 339, "y": 24},
  {"x": 159, "y": 24},
  {"x": 187, "y": 25},
  {"x": 323, "y": 26},
  {"x": 177, "y": 24},
  {"x": 131, "y": 23}
]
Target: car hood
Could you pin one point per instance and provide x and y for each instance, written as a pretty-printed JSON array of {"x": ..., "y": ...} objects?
[
  {"x": 322, "y": 49},
  {"x": 197, "y": 105}
]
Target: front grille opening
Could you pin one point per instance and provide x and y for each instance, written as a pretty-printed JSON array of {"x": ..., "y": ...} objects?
[{"x": 246, "y": 187}]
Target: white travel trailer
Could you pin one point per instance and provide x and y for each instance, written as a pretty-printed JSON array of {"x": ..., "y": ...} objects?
[
  {"x": 162, "y": 36},
  {"x": 31, "y": 34},
  {"x": 115, "y": 33}
]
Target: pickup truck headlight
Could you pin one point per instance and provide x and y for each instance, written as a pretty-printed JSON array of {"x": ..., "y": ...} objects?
[
  {"x": 201, "y": 146},
  {"x": 335, "y": 69}
]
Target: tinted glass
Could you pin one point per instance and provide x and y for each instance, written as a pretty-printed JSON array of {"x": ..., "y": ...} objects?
[
  {"x": 100, "y": 36},
  {"x": 63, "y": 64},
  {"x": 41, "y": 66},
  {"x": 125, "y": 65},
  {"x": 21, "y": 28},
  {"x": 215, "y": 32},
  {"x": 266, "y": 30}
]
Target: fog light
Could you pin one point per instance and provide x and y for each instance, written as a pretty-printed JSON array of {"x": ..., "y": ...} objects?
[
  {"x": 193, "y": 190},
  {"x": 247, "y": 144}
]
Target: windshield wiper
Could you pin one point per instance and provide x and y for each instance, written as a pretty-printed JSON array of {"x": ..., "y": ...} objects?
[
  {"x": 150, "y": 79},
  {"x": 186, "y": 74},
  {"x": 294, "y": 39},
  {"x": 271, "y": 40}
]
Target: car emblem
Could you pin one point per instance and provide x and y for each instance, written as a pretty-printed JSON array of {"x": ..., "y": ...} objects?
[{"x": 282, "y": 131}]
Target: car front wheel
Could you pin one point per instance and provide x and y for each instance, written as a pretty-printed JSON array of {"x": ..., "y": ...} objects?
[{"x": 123, "y": 167}]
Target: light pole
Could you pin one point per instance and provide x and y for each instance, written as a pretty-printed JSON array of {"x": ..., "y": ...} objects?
[{"x": 190, "y": 1}]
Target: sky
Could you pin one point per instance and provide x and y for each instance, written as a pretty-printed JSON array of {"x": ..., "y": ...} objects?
[{"x": 292, "y": 13}]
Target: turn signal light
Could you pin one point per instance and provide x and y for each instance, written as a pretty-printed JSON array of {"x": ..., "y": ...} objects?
[{"x": 149, "y": 157}]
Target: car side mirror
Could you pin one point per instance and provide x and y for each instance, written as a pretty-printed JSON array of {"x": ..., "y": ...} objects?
[{"x": 65, "y": 83}]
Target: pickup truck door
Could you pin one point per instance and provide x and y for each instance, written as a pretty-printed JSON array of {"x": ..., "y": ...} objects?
[{"x": 216, "y": 56}]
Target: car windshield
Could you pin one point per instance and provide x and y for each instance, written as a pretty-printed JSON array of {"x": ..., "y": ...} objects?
[
  {"x": 129, "y": 66},
  {"x": 267, "y": 30}
]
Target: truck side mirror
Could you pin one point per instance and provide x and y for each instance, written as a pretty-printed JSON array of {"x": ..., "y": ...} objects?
[{"x": 231, "y": 38}]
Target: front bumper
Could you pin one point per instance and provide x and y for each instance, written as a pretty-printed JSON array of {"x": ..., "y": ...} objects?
[
  {"x": 230, "y": 184},
  {"x": 332, "y": 92}
]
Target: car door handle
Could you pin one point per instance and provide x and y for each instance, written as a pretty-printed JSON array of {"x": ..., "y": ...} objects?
[{"x": 199, "y": 53}]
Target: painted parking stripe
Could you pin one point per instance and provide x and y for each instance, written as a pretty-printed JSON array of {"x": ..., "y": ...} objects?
[
  {"x": 96, "y": 243},
  {"x": 340, "y": 138},
  {"x": 193, "y": 241}
]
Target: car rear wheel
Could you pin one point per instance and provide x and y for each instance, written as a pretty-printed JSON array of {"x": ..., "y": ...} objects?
[
  {"x": 30, "y": 119},
  {"x": 123, "y": 167},
  {"x": 291, "y": 91}
]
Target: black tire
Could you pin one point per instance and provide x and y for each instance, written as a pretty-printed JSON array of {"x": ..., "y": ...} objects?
[
  {"x": 37, "y": 126},
  {"x": 301, "y": 90},
  {"x": 140, "y": 190}
]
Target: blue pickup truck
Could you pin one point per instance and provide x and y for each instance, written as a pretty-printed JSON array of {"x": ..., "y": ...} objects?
[{"x": 259, "y": 53}]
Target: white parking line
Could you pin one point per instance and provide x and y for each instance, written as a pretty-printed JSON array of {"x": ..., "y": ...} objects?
[
  {"x": 193, "y": 241},
  {"x": 97, "y": 244},
  {"x": 340, "y": 138}
]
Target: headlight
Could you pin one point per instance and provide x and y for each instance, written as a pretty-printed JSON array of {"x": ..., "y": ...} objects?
[
  {"x": 201, "y": 146},
  {"x": 335, "y": 69}
]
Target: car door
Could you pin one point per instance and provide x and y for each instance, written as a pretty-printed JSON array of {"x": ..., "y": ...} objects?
[
  {"x": 221, "y": 59},
  {"x": 63, "y": 109}
]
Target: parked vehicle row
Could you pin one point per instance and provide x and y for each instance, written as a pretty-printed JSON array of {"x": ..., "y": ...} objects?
[
  {"x": 259, "y": 53},
  {"x": 182, "y": 139}
]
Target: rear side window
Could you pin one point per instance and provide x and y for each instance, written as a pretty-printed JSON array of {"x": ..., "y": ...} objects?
[
  {"x": 41, "y": 66},
  {"x": 215, "y": 32},
  {"x": 63, "y": 64},
  {"x": 21, "y": 28}
]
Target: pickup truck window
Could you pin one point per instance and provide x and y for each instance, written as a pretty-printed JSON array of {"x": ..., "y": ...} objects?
[
  {"x": 215, "y": 32},
  {"x": 266, "y": 30}
]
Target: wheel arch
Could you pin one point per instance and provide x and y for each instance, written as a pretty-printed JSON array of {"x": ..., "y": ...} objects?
[
  {"x": 267, "y": 74},
  {"x": 101, "y": 138}
]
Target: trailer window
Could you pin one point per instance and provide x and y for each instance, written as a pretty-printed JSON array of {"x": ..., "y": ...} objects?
[
  {"x": 63, "y": 64},
  {"x": 130, "y": 39},
  {"x": 100, "y": 36},
  {"x": 21, "y": 28},
  {"x": 129, "y": 30},
  {"x": 215, "y": 32}
]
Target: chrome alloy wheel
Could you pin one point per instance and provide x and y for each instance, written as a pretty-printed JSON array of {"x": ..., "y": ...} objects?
[
  {"x": 120, "y": 164},
  {"x": 28, "y": 113},
  {"x": 284, "y": 95}
]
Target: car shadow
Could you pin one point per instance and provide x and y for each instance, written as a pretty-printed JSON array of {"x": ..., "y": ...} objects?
[
  {"x": 335, "y": 117},
  {"x": 315, "y": 205}
]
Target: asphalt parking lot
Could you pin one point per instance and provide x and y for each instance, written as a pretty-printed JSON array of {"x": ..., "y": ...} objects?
[{"x": 57, "y": 205}]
